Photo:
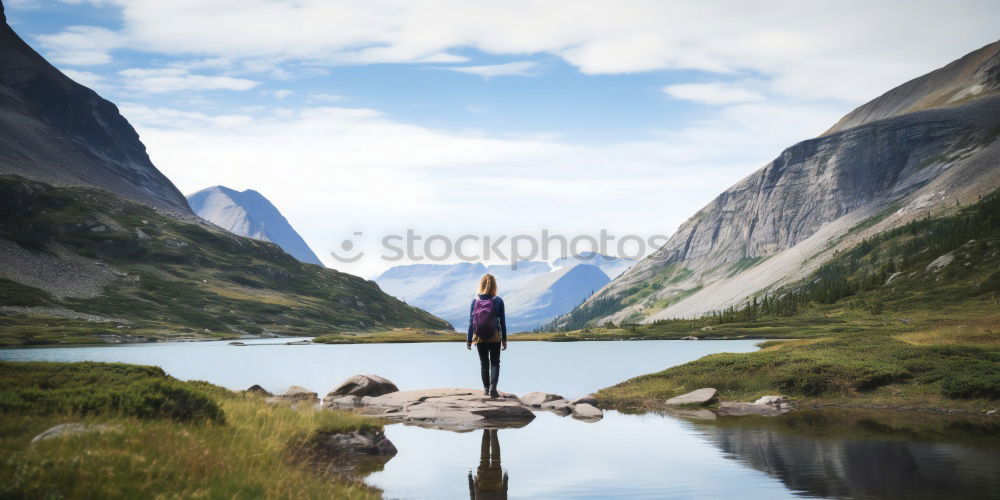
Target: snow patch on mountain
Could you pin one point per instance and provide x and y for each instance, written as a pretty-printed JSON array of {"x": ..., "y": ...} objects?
[{"x": 248, "y": 213}]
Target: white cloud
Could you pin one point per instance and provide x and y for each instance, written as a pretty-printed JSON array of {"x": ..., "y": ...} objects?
[
  {"x": 847, "y": 50},
  {"x": 518, "y": 68},
  {"x": 80, "y": 45},
  {"x": 157, "y": 80},
  {"x": 281, "y": 94},
  {"x": 713, "y": 93},
  {"x": 324, "y": 97},
  {"x": 333, "y": 170}
]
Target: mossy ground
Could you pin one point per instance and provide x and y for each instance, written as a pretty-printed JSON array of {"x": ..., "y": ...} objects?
[{"x": 151, "y": 452}]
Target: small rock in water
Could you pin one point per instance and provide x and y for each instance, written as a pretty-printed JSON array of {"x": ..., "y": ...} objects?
[
  {"x": 363, "y": 385},
  {"x": 589, "y": 399},
  {"x": 698, "y": 397},
  {"x": 690, "y": 413},
  {"x": 537, "y": 399},
  {"x": 347, "y": 453},
  {"x": 72, "y": 429},
  {"x": 733, "y": 409},
  {"x": 560, "y": 406},
  {"x": 770, "y": 400},
  {"x": 584, "y": 411}
]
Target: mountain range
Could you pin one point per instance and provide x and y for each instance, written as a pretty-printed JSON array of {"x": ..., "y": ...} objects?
[
  {"x": 534, "y": 292},
  {"x": 96, "y": 244},
  {"x": 248, "y": 213},
  {"x": 924, "y": 148}
]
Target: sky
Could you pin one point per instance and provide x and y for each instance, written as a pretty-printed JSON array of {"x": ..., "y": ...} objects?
[{"x": 365, "y": 119}]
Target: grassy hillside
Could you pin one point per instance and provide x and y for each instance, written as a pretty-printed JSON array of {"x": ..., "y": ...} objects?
[
  {"x": 908, "y": 318},
  {"x": 135, "y": 274},
  {"x": 161, "y": 437}
]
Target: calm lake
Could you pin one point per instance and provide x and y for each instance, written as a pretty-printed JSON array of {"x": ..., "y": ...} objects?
[{"x": 638, "y": 456}]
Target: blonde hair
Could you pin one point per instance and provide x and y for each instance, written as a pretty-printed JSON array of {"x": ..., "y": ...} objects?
[{"x": 487, "y": 285}]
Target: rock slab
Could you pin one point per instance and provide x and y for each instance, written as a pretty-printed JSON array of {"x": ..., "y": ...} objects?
[
  {"x": 697, "y": 397},
  {"x": 451, "y": 409}
]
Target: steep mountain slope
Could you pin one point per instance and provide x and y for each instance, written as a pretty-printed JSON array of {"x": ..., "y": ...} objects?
[
  {"x": 79, "y": 264},
  {"x": 819, "y": 197},
  {"x": 59, "y": 132},
  {"x": 250, "y": 214},
  {"x": 551, "y": 294},
  {"x": 974, "y": 76}
]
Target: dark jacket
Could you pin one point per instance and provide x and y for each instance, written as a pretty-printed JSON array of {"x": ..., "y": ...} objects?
[{"x": 501, "y": 319}]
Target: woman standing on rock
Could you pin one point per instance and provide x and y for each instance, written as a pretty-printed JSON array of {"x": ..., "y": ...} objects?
[{"x": 488, "y": 330}]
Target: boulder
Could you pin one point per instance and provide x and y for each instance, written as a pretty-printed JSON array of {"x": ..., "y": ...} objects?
[
  {"x": 451, "y": 409},
  {"x": 72, "y": 429},
  {"x": 537, "y": 399},
  {"x": 584, "y": 411},
  {"x": 258, "y": 391},
  {"x": 295, "y": 394},
  {"x": 699, "y": 397},
  {"x": 560, "y": 406},
  {"x": 363, "y": 385},
  {"x": 589, "y": 399},
  {"x": 733, "y": 409},
  {"x": 347, "y": 453}
]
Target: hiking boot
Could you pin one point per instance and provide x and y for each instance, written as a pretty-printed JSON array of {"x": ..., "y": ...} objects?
[{"x": 494, "y": 377}]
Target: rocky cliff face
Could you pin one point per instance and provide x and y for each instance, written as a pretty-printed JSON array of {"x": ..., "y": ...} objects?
[
  {"x": 59, "y": 132},
  {"x": 250, "y": 214},
  {"x": 817, "y": 197}
]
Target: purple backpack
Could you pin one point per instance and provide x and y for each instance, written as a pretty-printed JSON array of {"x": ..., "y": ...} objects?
[{"x": 484, "y": 315}]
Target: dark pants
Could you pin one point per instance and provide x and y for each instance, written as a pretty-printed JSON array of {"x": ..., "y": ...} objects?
[{"x": 489, "y": 357}]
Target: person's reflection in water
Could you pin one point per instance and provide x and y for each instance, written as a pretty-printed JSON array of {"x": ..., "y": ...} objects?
[{"x": 490, "y": 480}]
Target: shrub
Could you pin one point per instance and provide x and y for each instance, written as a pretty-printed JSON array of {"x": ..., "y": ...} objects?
[{"x": 104, "y": 389}]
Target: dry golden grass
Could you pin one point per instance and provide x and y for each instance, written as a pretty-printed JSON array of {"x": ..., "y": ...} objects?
[
  {"x": 983, "y": 331},
  {"x": 248, "y": 457}
]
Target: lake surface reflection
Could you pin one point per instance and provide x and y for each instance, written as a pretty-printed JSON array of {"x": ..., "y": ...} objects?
[
  {"x": 803, "y": 454},
  {"x": 653, "y": 456}
]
